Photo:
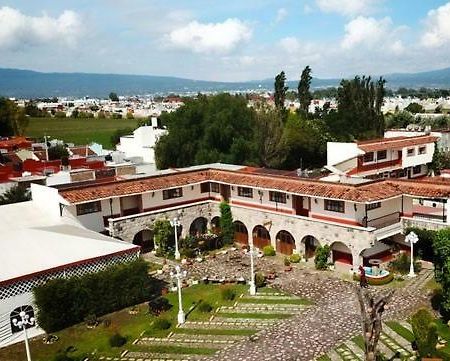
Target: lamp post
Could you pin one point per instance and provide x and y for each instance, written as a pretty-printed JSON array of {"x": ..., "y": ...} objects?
[
  {"x": 252, "y": 272},
  {"x": 176, "y": 223},
  {"x": 179, "y": 275},
  {"x": 25, "y": 320},
  {"x": 412, "y": 238}
]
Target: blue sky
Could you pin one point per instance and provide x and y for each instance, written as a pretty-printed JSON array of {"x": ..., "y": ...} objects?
[{"x": 226, "y": 40}]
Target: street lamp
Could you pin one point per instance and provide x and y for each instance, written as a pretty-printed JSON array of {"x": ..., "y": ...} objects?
[
  {"x": 412, "y": 238},
  {"x": 25, "y": 320},
  {"x": 179, "y": 275},
  {"x": 176, "y": 223},
  {"x": 252, "y": 272}
]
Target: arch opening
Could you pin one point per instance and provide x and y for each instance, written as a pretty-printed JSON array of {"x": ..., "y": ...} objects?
[
  {"x": 261, "y": 237},
  {"x": 215, "y": 225},
  {"x": 144, "y": 239},
  {"x": 285, "y": 242},
  {"x": 311, "y": 243},
  {"x": 341, "y": 253},
  {"x": 198, "y": 226},
  {"x": 240, "y": 232}
]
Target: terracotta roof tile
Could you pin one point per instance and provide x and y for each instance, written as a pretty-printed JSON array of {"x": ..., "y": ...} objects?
[{"x": 395, "y": 143}]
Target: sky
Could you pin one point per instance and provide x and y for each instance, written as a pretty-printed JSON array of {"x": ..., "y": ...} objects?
[{"x": 226, "y": 40}]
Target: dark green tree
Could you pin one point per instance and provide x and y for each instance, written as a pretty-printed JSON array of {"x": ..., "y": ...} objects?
[
  {"x": 226, "y": 223},
  {"x": 441, "y": 248},
  {"x": 425, "y": 333},
  {"x": 113, "y": 97},
  {"x": 15, "y": 194},
  {"x": 163, "y": 235},
  {"x": 414, "y": 108},
  {"x": 399, "y": 120},
  {"x": 304, "y": 94},
  {"x": 280, "y": 90},
  {"x": 58, "y": 151},
  {"x": 115, "y": 137},
  {"x": 13, "y": 120}
]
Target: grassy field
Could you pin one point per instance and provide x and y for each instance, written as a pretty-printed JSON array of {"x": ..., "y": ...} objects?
[{"x": 78, "y": 130}]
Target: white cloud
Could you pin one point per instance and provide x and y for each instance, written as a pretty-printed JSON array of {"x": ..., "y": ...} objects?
[
  {"x": 281, "y": 15},
  {"x": 438, "y": 27},
  {"x": 349, "y": 7},
  {"x": 290, "y": 45},
  {"x": 372, "y": 34},
  {"x": 18, "y": 30},
  {"x": 218, "y": 38},
  {"x": 307, "y": 9}
]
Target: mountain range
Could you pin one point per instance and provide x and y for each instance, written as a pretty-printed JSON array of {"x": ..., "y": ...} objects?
[{"x": 32, "y": 84}]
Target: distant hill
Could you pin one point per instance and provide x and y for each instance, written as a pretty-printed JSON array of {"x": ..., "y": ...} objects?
[{"x": 32, "y": 84}]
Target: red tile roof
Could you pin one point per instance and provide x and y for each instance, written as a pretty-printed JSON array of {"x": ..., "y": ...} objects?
[
  {"x": 367, "y": 192},
  {"x": 395, "y": 143}
]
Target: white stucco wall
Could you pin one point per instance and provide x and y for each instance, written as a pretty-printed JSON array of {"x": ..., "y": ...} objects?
[{"x": 338, "y": 152}]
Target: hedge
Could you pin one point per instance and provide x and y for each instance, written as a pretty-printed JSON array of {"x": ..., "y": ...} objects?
[{"x": 65, "y": 302}]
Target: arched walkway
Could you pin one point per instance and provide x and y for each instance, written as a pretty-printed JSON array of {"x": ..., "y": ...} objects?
[
  {"x": 261, "y": 237},
  {"x": 310, "y": 243},
  {"x": 285, "y": 242},
  {"x": 198, "y": 226},
  {"x": 215, "y": 225},
  {"x": 144, "y": 239},
  {"x": 15, "y": 315},
  {"x": 240, "y": 232},
  {"x": 341, "y": 253}
]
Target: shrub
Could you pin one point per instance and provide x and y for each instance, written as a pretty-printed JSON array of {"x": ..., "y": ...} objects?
[
  {"x": 295, "y": 258},
  {"x": 402, "y": 264},
  {"x": 98, "y": 293},
  {"x": 269, "y": 251},
  {"x": 228, "y": 294},
  {"x": 287, "y": 262},
  {"x": 158, "y": 305},
  {"x": 226, "y": 223},
  {"x": 205, "y": 307},
  {"x": 425, "y": 333},
  {"x": 260, "y": 280},
  {"x": 322, "y": 255},
  {"x": 117, "y": 340},
  {"x": 161, "y": 324}
]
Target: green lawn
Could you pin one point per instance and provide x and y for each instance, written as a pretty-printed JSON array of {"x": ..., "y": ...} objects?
[
  {"x": 78, "y": 130},
  {"x": 402, "y": 331}
]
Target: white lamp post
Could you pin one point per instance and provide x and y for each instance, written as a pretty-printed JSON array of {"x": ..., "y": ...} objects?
[
  {"x": 176, "y": 223},
  {"x": 25, "y": 320},
  {"x": 179, "y": 275},
  {"x": 412, "y": 238},
  {"x": 252, "y": 272}
]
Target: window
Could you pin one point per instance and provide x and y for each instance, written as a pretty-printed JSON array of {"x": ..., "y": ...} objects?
[
  {"x": 245, "y": 192},
  {"x": 87, "y": 208},
  {"x": 172, "y": 193},
  {"x": 334, "y": 206},
  {"x": 410, "y": 152},
  {"x": 381, "y": 154},
  {"x": 422, "y": 150},
  {"x": 215, "y": 188},
  {"x": 277, "y": 197},
  {"x": 417, "y": 169},
  {"x": 204, "y": 187},
  {"x": 373, "y": 206},
  {"x": 368, "y": 157}
]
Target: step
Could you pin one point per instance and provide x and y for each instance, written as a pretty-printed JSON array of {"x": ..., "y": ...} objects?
[
  {"x": 345, "y": 353},
  {"x": 184, "y": 342},
  {"x": 270, "y": 305},
  {"x": 393, "y": 345},
  {"x": 271, "y": 298},
  {"x": 223, "y": 325},
  {"x": 400, "y": 340},
  {"x": 248, "y": 321},
  {"x": 355, "y": 349},
  {"x": 406, "y": 325},
  {"x": 334, "y": 356},
  {"x": 182, "y": 336},
  {"x": 150, "y": 356},
  {"x": 262, "y": 310}
]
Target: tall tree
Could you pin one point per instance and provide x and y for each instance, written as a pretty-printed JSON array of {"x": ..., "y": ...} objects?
[
  {"x": 226, "y": 223},
  {"x": 113, "y": 97},
  {"x": 304, "y": 95},
  {"x": 15, "y": 194},
  {"x": 441, "y": 248},
  {"x": 13, "y": 120},
  {"x": 280, "y": 91}
]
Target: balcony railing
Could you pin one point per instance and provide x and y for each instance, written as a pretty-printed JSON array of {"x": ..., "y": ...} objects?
[
  {"x": 384, "y": 221},
  {"x": 378, "y": 165}
]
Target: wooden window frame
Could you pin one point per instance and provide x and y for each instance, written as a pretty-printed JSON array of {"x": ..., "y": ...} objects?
[{"x": 333, "y": 205}]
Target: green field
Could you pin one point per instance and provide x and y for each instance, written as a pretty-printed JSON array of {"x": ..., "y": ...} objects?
[{"x": 78, "y": 130}]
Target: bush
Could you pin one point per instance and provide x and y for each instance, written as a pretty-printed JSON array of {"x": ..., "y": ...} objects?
[
  {"x": 158, "y": 305},
  {"x": 226, "y": 223},
  {"x": 287, "y": 262},
  {"x": 425, "y": 333},
  {"x": 205, "y": 307},
  {"x": 269, "y": 251},
  {"x": 402, "y": 263},
  {"x": 98, "y": 293},
  {"x": 322, "y": 255},
  {"x": 161, "y": 324},
  {"x": 260, "y": 280},
  {"x": 228, "y": 294},
  {"x": 117, "y": 340},
  {"x": 295, "y": 258}
]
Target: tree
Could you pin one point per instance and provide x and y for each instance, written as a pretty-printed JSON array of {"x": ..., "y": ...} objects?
[
  {"x": 115, "y": 137},
  {"x": 163, "y": 235},
  {"x": 425, "y": 333},
  {"x": 399, "y": 120},
  {"x": 113, "y": 97},
  {"x": 58, "y": 151},
  {"x": 372, "y": 308},
  {"x": 269, "y": 138},
  {"x": 226, "y": 223},
  {"x": 304, "y": 95},
  {"x": 280, "y": 91},
  {"x": 441, "y": 248},
  {"x": 15, "y": 194},
  {"x": 414, "y": 108},
  {"x": 13, "y": 120}
]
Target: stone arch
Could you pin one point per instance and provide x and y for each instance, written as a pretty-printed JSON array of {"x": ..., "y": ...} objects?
[
  {"x": 341, "y": 253},
  {"x": 240, "y": 232},
  {"x": 144, "y": 239},
  {"x": 261, "y": 237},
  {"x": 310, "y": 244},
  {"x": 285, "y": 242},
  {"x": 198, "y": 226},
  {"x": 15, "y": 315},
  {"x": 215, "y": 225}
]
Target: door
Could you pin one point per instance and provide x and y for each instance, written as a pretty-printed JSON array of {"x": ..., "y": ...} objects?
[{"x": 225, "y": 192}]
